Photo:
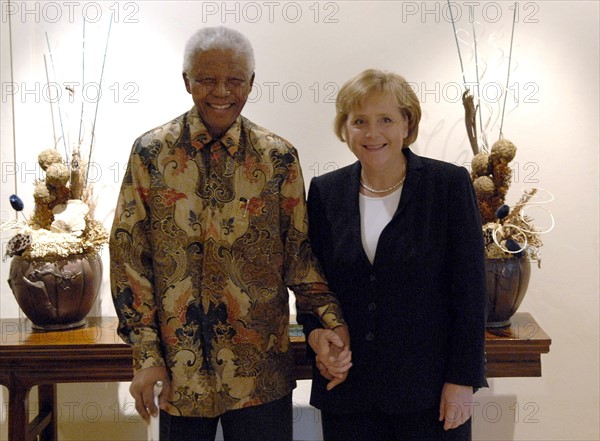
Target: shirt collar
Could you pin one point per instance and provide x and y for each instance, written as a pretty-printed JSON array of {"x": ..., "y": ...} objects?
[{"x": 200, "y": 137}]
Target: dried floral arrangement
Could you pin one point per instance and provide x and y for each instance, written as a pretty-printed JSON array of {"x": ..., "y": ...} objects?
[
  {"x": 508, "y": 231},
  {"x": 62, "y": 223}
]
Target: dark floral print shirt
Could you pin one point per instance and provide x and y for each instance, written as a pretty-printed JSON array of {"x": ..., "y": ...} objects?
[{"x": 207, "y": 236}]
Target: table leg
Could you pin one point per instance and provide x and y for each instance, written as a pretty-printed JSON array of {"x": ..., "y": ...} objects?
[
  {"x": 18, "y": 410},
  {"x": 45, "y": 424},
  {"x": 47, "y": 400}
]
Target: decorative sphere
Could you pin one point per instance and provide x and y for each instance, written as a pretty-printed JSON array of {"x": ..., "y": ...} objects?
[
  {"x": 484, "y": 186},
  {"x": 16, "y": 202},
  {"x": 57, "y": 175},
  {"x": 42, "y": 194},
  {"x": 481, "y": 164},
  {"x": 515, "y": 247},
  {"x": 502, "y": 211},
  {"x": 504, "y": 149},
  {"x": 48, "y": 157}
]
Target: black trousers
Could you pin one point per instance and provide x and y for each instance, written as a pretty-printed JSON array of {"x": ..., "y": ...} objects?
[
  {"x": 378, "y": 426},
  {"x": 268, "y": 422}
]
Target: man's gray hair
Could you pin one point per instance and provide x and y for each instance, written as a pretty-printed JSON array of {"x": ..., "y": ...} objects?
[{"x": 218, "y": 37}]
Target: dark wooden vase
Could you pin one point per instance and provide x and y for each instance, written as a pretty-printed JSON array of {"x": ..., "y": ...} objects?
[
  {"x": 56, "y": 294},
  {"x": 507, "y": 282}
]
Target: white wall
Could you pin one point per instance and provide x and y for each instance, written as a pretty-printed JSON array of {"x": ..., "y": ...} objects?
[{"x": 311, "y": 48}]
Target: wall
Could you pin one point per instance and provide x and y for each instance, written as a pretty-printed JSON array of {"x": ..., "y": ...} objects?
[{"x": 305, "y": 51}]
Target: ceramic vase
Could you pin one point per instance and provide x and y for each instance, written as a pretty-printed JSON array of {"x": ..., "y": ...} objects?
[
  {"x": 507, "y": 282},
  {"x": 56, "y": 294}
]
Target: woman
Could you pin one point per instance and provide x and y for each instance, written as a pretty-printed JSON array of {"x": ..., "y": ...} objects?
[{"x": 399, "y": 237}]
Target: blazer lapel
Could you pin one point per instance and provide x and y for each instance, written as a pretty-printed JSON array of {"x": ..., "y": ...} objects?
[
  {"x": 412, "y": 182},
  {"x": 353, "y": 210}
]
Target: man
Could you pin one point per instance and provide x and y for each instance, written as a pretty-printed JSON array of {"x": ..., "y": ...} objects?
[{"x": 209, "y": 231}]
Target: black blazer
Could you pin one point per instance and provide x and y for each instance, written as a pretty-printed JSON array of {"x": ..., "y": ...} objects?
[{"x": 417, "y": 314}]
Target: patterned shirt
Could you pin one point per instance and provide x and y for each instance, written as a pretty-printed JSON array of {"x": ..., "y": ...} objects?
[{"x": 207, "y": 236}]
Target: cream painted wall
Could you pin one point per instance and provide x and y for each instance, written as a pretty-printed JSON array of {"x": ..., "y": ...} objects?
[{"x": 305, "y": 51}]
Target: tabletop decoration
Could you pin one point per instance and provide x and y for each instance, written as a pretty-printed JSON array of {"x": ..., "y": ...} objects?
[
  {"x": 511, "y": 239},
  {"x": 56, "y": 269}
]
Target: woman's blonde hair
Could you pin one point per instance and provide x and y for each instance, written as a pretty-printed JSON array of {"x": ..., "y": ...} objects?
[{"x": 371, "y": 82}]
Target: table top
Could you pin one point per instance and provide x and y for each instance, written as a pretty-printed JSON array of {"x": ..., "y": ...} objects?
[
  {"x": 524, "y": 331},
  {"x": 98, "y": 331},
  {"x": 102, "y": 331},
  {"x": 17, "y": 335},
  {"x": 511, "y": 351},
  {"x": 94, "y": 353}
]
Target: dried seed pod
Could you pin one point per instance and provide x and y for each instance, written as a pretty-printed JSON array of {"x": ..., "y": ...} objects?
[{"x": 48, "y": 157}]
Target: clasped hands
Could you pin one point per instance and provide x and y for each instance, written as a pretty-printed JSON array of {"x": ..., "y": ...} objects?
[{"x": 333, "y": 356}]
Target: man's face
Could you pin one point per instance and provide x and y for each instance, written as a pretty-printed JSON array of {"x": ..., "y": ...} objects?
[{"x": 219, "y": 82}]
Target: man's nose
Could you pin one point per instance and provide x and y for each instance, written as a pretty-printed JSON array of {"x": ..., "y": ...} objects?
[{"x": 221, "y": 89}]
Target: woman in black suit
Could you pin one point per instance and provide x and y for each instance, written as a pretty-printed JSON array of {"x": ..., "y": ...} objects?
[{"x": 400, "y": 240}]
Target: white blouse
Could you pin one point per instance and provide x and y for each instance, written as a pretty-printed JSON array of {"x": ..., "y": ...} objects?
[{"x": 375, "y": 214}]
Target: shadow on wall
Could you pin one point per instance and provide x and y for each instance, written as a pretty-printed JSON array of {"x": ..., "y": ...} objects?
[
  {"x": 98, "y": 412},
  {"x": 495, "y": 417}
]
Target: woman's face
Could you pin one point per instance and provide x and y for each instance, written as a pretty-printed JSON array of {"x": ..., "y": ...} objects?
[{"x": 375, "y": 131}]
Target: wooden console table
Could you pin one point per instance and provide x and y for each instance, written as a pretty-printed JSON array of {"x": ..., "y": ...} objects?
[{"x": 97, "y": 354}]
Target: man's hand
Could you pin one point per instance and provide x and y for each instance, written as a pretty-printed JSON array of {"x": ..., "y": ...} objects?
[
  {"x": 333, "y": 353},
  {"x": 456, "y": 405},
  {"x": 142, "y": 390}
]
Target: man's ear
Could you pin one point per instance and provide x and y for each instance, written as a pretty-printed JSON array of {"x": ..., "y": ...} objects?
[
  {"x": 186, "y": 80},
  {"x": 252, "y": 80}
]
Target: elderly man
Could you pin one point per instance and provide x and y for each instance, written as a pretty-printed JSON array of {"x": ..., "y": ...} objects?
[{"x": 209, "y": 232}]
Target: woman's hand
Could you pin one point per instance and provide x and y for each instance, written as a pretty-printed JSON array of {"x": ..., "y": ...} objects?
[
  {"x": 142, "y": 390},
  {"x": 456, "y": 405},
  {"x": 334, "y": 358}
]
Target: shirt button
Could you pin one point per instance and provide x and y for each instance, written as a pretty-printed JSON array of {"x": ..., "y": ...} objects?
[
  {"x": 370, "y": 336},
  {"x": 372, "y": 277},
  {"x": 372, "y": 306}
]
